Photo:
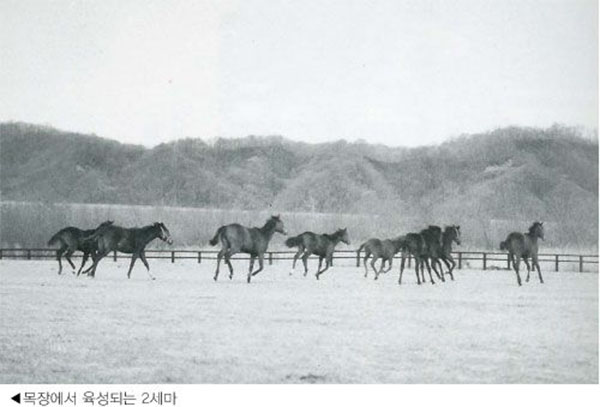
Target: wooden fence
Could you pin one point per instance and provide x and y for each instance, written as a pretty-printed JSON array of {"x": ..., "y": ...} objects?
[{"x": 487, "y": 260}]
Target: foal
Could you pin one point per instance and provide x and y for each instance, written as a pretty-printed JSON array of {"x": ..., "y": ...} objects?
[
  {"x": 71, "y": 239},
  {"x": 380, "y": 249},
  {"x": 322, "y": 245},
  {"x": 523, "y": 246},
  {"x": 236, "y": 238},
  {"x": 128, "y": 240}
]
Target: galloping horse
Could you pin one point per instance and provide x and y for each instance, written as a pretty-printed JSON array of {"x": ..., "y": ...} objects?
[
  {"x": 236, "y": 238},
  {"x": 451, "y": 234},
  {"x": 433, "y": 237},
  {"x": 127, "y": 240},
  {"x": 322, "y": 245},
  {"x": 422, "y": 246},
  {"x": 414, "y": 245},
  {"x": 523, "y": 246},
  {"x": 380, "y": 249},
  {"x": 72, "y": 239}
]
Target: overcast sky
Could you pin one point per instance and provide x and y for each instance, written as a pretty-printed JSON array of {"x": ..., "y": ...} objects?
[{"x": 393, "y": 72}]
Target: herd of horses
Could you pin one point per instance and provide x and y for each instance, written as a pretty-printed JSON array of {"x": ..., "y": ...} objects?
[{"x": 431, "y": 247}]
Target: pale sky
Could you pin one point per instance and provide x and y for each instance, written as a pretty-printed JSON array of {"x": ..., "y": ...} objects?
[{"x": 393, "y": 72}]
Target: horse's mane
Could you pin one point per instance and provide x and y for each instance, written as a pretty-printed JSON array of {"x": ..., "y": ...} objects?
[
  {"x": 533, "y": 227},
  {"x": 339, "y": 232},
  {"x": 269, "y": 224}
]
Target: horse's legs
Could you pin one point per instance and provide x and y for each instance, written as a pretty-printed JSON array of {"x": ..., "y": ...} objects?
[
  {"x": 68, "y": 257},
  {"x": 86, "y": 255},
  {"x": 296, "y": 257},
  {"x": 429, "y": 270},
  {"x": 390, "y": 262},
  {"x": 319, "y": 268},
  {"x": 401, "y": 269},
  {"x": 435, "y": 261},
  {"x": 516, "y": 264},
  {"x": 378, "y": 272},
  {"x": 261, "y": 259},
  {"x": 227, "y": 257},
  {"x": 134, "y": 257},
  {"x": 422, "y": 267},
  {"x": 328, "y": 262},
  {"x": 251, "y": 266},
  {"x": 417, "y": 261},
  {"x": 92, "y": 270},
  {"x": 143, "y": 258},
  {"x": 219, "y": 257},
  {"x": 450, "y": 263},
  {"x": 534, "y": 263},
  {"x": 373, "y": 260},
  {"x": 367, "y": 255},
  {"x": 59, "y": 253},
  {"x": 305, "y": 262}
]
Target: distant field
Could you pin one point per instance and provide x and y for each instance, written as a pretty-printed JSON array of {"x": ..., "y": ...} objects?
[{"x": 185, "y": 328}]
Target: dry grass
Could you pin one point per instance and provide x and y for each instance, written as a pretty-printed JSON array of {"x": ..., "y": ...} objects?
[{"x": 185, "y": 328}]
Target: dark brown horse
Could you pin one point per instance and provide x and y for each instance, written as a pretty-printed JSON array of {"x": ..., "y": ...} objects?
[
  {"x": 451, "y": 235},
  {"x": 236, "y": 238},
  {"x": 422, "y": 246},
  {"x": 71, "y": 239},
  {"x": 414, "y": 245},
  {"x": 380, "y": 249},
  {"x": 128, "y": 240},
  {"x": 322, "y": 245},
  {"x": 433, "y": 243},
  {"x": 522, "y": 246}
]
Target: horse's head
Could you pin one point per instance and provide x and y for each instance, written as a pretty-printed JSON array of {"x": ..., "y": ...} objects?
[
  {"x": 343, "y": 234},
  {"x": 537, "y": 230},
  {"x": 278, "y": 224},
  {"x": 164, "y": 235},
  {"x": 455, "y": 230}
]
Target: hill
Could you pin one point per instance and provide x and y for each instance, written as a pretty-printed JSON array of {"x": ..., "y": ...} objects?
[{"x": 509, "y": 176}]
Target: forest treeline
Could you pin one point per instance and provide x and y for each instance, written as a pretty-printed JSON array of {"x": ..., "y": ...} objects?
[{"x": 490, "y": 183}]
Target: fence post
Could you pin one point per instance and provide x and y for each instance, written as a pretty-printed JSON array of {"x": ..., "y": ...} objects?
[
  {"x": 508, "y": 261},
  {"x": 357, "y": 259},
  {"x": 409, "y": 259},
  {"x": 199, "y": 257},
  {"x": 28, "y": 254},
  {"x": 484, "y": 261},
  {"x": 556, "y": 263},
  {"x": 0, "y": 254},
  {"x": 581, "y": 264},
  {"x": 270, "y": 258},
  {"x": 459, "y": 260},
  {"x": 115, "y": 255},
  {"x": 172, "y": 256}
]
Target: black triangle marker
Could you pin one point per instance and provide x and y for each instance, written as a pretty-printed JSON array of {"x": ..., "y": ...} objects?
[{"x": 17, "y": 398}]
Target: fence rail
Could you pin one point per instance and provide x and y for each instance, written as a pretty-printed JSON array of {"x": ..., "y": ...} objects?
[{"x": 487, "y": 260}]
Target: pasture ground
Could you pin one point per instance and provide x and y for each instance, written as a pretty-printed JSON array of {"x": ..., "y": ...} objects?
[{"x": 185, "y": 328}]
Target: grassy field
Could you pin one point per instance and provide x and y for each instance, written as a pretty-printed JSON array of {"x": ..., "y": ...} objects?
[{"x": 185, "y": 328}]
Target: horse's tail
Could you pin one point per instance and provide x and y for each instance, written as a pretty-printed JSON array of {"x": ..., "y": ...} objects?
[
  {"x": 215, "y": 239},
  {"x": 503, "y": 246},
  {"x": 293, "y": 241},
  {"x": 54, "y": 239},
  {"x": 360, "y": 248}
]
